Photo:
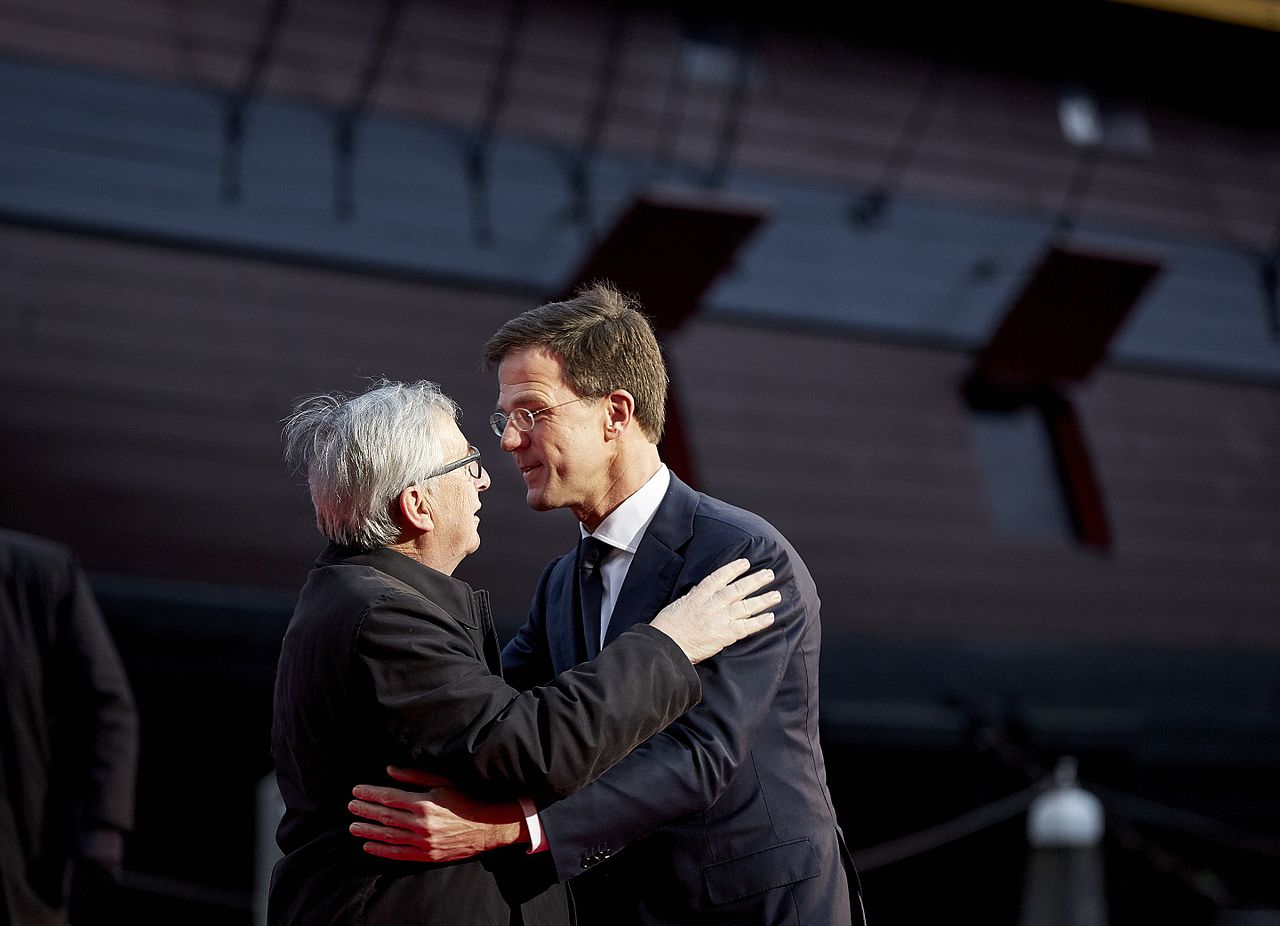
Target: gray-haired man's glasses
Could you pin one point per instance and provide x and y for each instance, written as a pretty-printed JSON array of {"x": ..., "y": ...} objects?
[
  {"x": 522, "y": 418},
  {"x": 471, "y": 461}
]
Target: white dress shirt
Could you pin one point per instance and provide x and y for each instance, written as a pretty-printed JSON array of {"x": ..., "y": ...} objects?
[{"x": 622, "y": 530}]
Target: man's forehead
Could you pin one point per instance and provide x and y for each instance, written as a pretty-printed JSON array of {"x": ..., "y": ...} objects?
[
  {"x": 537, "y": 357},
  {"x": 451, "y": 435},
  {"x": 530, "y": 373}
]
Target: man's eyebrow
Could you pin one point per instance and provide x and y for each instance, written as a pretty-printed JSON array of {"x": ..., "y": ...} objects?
[{"x": 523, "y": 400}]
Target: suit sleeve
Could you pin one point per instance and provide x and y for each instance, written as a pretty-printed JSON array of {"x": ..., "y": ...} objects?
[
  {"x": 105, "y": 710},
  {"x": 684, "y": 769},
  {"x": 454, "y": 717}
]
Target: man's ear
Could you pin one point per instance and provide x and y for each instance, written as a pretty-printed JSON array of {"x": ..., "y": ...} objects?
[
  {"x": 417, "y": 509},
  {"x": 621, "y": 408}
]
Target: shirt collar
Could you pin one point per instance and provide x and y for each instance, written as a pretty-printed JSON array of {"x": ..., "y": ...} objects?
[{"x": 626, "y": 524}]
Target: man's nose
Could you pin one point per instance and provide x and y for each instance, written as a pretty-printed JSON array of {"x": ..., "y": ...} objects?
[
  {"x": 482, "y": 483},
  {"x": 512, "y": 437}
]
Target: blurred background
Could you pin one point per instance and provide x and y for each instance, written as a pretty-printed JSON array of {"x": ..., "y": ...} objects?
[{"x": 977, "y": 303}]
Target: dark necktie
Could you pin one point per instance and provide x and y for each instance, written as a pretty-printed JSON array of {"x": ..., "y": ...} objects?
[{"x": 591, "y": 587}]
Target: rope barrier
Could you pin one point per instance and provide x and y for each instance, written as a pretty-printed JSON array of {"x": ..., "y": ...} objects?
[
  {"x": 1124, "y": 809},
  {"x": 934, "y": 837}
]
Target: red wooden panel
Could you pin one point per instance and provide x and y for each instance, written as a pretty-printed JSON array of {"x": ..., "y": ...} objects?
[
  {"x": 668, "y": 248},
  {"x": 1059, "y": 328}
]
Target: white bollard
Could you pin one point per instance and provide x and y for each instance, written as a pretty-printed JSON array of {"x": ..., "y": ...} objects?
[{"x": 1064, "y": 883}]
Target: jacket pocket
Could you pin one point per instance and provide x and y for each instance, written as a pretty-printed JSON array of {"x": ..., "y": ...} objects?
[{"x": 787, "y": 863}]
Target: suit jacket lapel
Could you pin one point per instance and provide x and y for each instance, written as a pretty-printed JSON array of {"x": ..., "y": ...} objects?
[{"x": 651, "y": 580}]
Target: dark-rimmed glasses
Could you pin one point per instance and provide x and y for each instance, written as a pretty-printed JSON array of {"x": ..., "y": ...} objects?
[
  {"x": 471, "y": 461},
  {"x": 522, "y": 418}
]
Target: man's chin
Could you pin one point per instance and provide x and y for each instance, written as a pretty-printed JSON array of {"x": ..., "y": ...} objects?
[{"x": 537, "y": 502}]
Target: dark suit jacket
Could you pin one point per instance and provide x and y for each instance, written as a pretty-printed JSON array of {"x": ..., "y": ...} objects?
[
  {"x": 68, "y": 728},
  {"x": 389, "y": 662},
  {"x": 725, "y": 815}
]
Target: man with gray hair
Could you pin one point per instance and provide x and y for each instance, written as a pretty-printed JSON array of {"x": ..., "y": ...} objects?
[{"x": 388, "y": 659}]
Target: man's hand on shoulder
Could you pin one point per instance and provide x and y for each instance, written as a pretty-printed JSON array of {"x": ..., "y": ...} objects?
[
  {"x": 718, "y": 611},
  {"x": 437, "y": 825}
]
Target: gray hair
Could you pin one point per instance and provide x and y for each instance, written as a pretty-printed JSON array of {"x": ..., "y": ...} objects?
[{"x": 360, "y": 452}]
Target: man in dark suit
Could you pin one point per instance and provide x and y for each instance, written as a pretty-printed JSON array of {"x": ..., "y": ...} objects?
[
  {"x": 68, "y": 738},
  {"x": 724, "y": 817},
  {"x": 388, "y": 658}
]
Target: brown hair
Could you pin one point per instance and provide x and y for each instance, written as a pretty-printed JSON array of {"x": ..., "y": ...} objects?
[{"x": 605, "y": 343}]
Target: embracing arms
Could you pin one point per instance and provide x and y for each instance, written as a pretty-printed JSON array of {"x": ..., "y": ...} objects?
[
  {"x": 680, "y": 771},
  {"x": 455, "y": 718}
]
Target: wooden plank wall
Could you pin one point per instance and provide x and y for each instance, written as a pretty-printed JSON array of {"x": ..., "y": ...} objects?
[
  {"x": 144, "y": 389},
  {"x": 126, "y": 155},
  {"x": 861, "y": 453},
  {"x": 819, "y": 105}
]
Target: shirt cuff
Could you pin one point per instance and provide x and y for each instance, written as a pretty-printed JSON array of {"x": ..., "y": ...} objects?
[{"x": 537, "y": 842}]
